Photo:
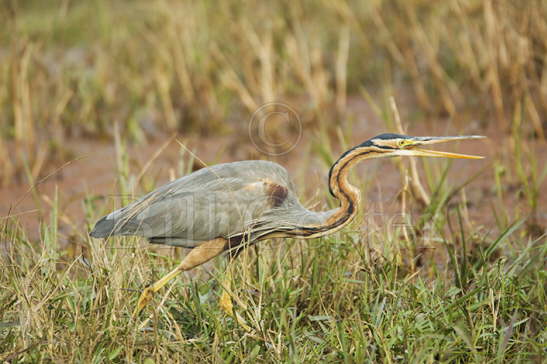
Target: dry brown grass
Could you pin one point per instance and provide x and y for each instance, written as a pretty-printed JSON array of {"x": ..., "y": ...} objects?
[
  {"x": 440, "y": 287},
  {"x": 164, "y": 65}
]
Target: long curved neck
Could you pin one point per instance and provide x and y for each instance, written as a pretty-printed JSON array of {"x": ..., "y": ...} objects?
[
  {"x": 348, "y": 195},
  {"x": 343, "y": 190},
  {"x": 340, "y": 187}
]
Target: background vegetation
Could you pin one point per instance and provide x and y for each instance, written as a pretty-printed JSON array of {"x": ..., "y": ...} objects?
[{"x": 461, "y": 280}]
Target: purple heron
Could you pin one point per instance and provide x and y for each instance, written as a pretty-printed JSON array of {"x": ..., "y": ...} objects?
[{"x": 233, "y": 205}]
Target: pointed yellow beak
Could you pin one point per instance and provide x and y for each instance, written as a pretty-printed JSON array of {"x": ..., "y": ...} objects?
[
  {"x": 414, "y": 147},
  {"x": 435, "y": 153}
]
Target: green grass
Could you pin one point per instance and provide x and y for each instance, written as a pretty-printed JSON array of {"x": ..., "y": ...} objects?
[
  {"x": 429, "y": 284},
  {"x": 334, "y": 299},
  {"x": 448, "y": 294}
]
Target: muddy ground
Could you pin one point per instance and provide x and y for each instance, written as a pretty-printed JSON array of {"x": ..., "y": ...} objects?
[{"x": 92, "y": 173}]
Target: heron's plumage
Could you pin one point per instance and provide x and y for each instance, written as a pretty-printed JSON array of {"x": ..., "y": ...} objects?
[
  {"x": 253, "y": 198},
  {"x": 218, "y": 208}
]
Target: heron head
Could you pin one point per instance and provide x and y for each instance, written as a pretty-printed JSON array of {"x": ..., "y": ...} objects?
[{"x": 391, "y": 145}]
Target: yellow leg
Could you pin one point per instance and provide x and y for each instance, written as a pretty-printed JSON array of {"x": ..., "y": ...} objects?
[
  {"x": 225, "y": 301},
  {"x": 197, "y": 256}
]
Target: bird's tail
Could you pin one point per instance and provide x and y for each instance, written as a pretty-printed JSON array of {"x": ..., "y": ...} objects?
[{"x": 104, "y": 228}]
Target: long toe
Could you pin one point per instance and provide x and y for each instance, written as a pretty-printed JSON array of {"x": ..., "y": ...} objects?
[
  {"x": 225, "y": 303},
  {"x": 145, "y": 297}
]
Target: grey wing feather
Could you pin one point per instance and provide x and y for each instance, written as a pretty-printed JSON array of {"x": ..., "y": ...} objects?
[{"x": 220, "y": 201}]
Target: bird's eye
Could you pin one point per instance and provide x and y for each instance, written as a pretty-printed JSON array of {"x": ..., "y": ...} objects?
[{"x": 404, "y": 143}]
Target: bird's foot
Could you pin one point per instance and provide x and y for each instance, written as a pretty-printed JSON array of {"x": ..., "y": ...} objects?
[
  {"x": 145, "y": 297},
  {"x": 225, "y": 303}
]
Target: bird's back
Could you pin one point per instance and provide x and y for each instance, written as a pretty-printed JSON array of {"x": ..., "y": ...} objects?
[{"x": 218, "y": 201}]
